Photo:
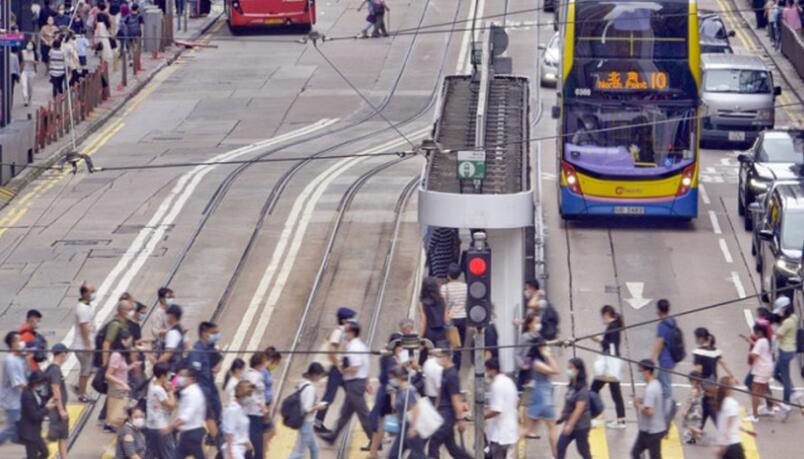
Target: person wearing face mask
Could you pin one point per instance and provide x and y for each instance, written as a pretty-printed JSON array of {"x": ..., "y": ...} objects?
[
  {"x": 255, "y": 408},
  {"x": 502, "y": 423},
  {"x": 306, "y": 438},
  {"x": 200, "y": 359},
  {"x": 131, "y": 440},
  {"x": 14, "y": 381},
  {"x": 650, "y": 414},
  {"x": 35, "y": 407},
  {"x": 159, "y": 324},
  {"x": 85, "y": 337},
  {"x": 160, "y": 403},
  {"x": 29, "y": 61},
  {"x": 235, "y": 423},
  {"x": 575, "y": 416},
  {"x": 610, "y": 344},
  {"x": 191, "y": 415},
  {"x": 382, "y": 396},
  {"x": 174, "y": 345},
  {"x": 541, "y": 405},
  {"x": 33, "y": 340},
  {"x": 118, "y": 379}
]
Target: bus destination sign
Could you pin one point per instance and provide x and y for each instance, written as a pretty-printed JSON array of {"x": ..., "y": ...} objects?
[{"x": 631, "y": 81}]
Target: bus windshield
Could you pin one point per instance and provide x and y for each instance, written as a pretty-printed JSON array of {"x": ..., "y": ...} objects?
[{"x": 629, "y": 140}]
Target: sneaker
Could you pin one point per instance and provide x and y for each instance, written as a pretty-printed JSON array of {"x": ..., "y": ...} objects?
[
  {"x": 763, "y": 411},
  {"x": 83, "y": 399},
  {"x": 320, "y": 429},
  {"x": 785, "y": 412},
  {"x": 600, "y": 422},
  {"x": 108, "y": 428},
  {"x": 618, "y": 424},
  {"x": 751, "y": 419}
]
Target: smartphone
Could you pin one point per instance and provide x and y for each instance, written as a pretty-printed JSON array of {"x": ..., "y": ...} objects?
[{"x": 324, "y": 403}]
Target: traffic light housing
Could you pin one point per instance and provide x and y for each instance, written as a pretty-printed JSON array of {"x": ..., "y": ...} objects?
[{"x": 478, "y": 280}]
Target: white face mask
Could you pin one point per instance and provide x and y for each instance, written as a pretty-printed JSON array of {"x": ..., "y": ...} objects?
[
  {"x": 170, "y": 301},
  {"x": 138, "y": 422},
  {"x": 21, "y": 345},
  {"x": 93, "y": 296}
]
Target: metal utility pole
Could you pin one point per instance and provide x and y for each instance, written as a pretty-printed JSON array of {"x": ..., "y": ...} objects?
[
  {"x": 5, "y": 66},
  {"x": 478, "y": 278}
]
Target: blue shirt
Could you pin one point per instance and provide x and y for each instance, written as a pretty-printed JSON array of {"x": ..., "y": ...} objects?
[
  {"x": 269, "y": 385},
  {"x": 14, "y": 375},
  {"x": 200, "y": 361},
  {"x": 665, "y": 332}
]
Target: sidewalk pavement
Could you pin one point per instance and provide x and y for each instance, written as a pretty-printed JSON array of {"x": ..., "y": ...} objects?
[{"x": 42, "y": 94}]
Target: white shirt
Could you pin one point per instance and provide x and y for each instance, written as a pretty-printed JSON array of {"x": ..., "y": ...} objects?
[
  {"x": 192, "y": 408},
  {"x": 173, "y": 339},
  {"x": 359, "y": 359},
  {"x": 229, "y": 391},
  {"x": 235, "y": 423},
  {"x": 83, "y": 315},
  {"x": 503, "y": 429},
  {"x": 454, "y": 294},
  {"x": 255, "y": 377},
  {"x": 307, "y": 399},
  {"x": 157, "y": 415},
  {"x": 432, "y": 371},
  {"x": 729, "y": 409}
]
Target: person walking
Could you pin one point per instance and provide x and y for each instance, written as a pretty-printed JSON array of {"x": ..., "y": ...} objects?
[
  {"x": 14, "y": 380},
  {"x": 610, "y": 344},
  {"x": 575, "y": 415},
  {"x": 160, "y": 403},
  {"x": 454, "y": 295},
  {"x": 650, "y": 414},
  {"x": 432, "y": 373},
  {"x": 335, "y": 378},
  {"x": 255, "y": 407},
  {"x": 58, "y": 425},
  {"x": 759, "y": 13},
  {"x": 405, "y": 398},
  {"x": 35, "y": 343},
  {"x": 134, "y": 25},
  {"x": 443, "y": 248},
  {"x": 383, "y": 405},
  {"x": 117, "y": 376},
  {"x": 159, "y": 324},
  {"x": 35, "y": 406},
  {"x": 47, "y": 35},
  {"x": 103, "y": 37},
  {"x": 530, "y": 332},
  {"x": 774, "y": 22},
  {"x": 661, "y": 349},
  {"x": 235, "y": 424},
  {"x": 761, "y": 361},
  {"x": 71, "y": 61},
  {"x": 306, "y": 438},
  {"x": 85, "y": 338},
  {"x": 541, "y": 404},
  {"x": 432, "y": 314},
  {"x": 706, "y": 360},
  {"x": 233, "y": 376},
  {"x": 29, "y": 61},
  {"x": 451, "y": 408},
  {"x": 356, "y": 370},
  {"x": 131, "y": 442},
  {"x": 191, "y": 414},
  {"x": 786, "y": 334},
  {"x": 369, "y": 19},
  {"x": 791, "y": 16},
  {"x": 728, "y": 423},
  {"x": 269, "y": 429},
  {"x": 174, "y": 342},
  {"x": 380, "y": 7},
  {"x": 200, "y": 358},
  {"x": 502, "y": 424}
]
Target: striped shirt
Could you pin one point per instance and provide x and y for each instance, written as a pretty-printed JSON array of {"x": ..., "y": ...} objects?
[
  {"x": 56, "y": 62},
  {"x": 454, "y": 294}
]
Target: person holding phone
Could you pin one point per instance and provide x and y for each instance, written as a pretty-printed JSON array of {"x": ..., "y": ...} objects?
[
  {"x": 34, "y": 409},
  {"x": 306, "y": 439}
]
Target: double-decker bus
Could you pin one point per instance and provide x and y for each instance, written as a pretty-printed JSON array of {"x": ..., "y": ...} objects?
[
  {"x": 628, "y": 108},
  {"x": 241, "y": 14}
]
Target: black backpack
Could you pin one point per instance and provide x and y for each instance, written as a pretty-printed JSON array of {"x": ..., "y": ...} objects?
[
  {"x": 291, "y": 409},
  {"x": 676, "y": 344},
  {"x": 550, "y": 321}
]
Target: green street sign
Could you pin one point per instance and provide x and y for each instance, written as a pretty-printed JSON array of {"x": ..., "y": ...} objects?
[{"x": 471, "y": 165}]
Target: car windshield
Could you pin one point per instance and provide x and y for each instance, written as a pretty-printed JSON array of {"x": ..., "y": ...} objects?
[
  {"x": 793, "y": 231},
  {"x": 785, "y": 148},
  {"x": 738, "y": 81},
  {"x": 619, "y": 139}
]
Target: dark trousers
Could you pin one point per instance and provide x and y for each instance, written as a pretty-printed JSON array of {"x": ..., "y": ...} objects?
[
  {"x": 708, "y": 410},
  {"x": 734, "y": 451},
  {"x": 445, "y": 435},
  {"x": 158, "y": 446},
  {"x": 460, "y": 324},
  {"x": 334, "y": 382},
  {"x": 58, "y": 84},
  {"x": 499, "y": 451},
  {"x": 650, "y": 442},
  {"x": 256, "y": 430},
  {"x": 191, "y": 443},
  {"x": 581, "y": 439},
  {"x": 355, "y": 403},
  {"x": 36, "y": 449},
  {"x": 415, "y": 445},
  {"x": 616, "y": 395}
]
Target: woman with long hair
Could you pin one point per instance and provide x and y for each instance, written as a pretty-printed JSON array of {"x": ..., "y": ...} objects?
[
  {"x": 117, "y": 377},
  {"x": 761, "y": 361},
  {"x": 231, "y": 379},
  {"x": 541, "y": 405},
  {"x": 610, "y": 344},
  {"x": 575, "y": 416},
  {"x": 432, "y": 314},
  {"x": 530, "y": 331},
  {"x": 728, "y": 422},
  {"x": 706, "y": 359}
]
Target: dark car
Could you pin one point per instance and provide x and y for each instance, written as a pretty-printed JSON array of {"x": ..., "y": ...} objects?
[
  {"x": 777, "y": 154},
  {"x": 712, "y": 33}
]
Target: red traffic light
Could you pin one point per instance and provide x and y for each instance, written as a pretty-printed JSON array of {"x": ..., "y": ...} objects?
[{"x": 477, "y": 266}]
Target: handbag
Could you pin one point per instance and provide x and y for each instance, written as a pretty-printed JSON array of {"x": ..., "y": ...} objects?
[
  {"x": 454, "y": 336},
  {"x": 428, "y": 419},
  {"x": 608, "y": 367},
  {"x": 370, "y": 18}
]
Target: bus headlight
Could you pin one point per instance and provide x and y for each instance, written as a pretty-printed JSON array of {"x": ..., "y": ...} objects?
[
  {"x": 758, "y": 185},
  {"x": 687, "y": 177}
]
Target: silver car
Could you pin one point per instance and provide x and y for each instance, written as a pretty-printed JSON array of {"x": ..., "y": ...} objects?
[{"x": 551, "y": 57}]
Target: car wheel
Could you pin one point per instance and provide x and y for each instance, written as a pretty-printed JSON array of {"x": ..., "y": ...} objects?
[
  {"x": 741, "y": 203},
  {"x": 753, "y": 248},
  {"x": 748, "y": 223},
  {"x": 759, "y": 264}
]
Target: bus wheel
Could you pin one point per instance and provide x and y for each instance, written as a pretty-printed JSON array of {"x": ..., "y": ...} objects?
[{"x": 233, "y": 29}]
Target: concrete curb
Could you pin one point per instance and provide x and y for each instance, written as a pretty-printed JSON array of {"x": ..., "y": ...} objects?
[{"x": 29, "y": 174}]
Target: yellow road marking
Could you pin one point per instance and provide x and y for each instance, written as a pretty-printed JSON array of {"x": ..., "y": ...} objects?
[
  {"x": 671, "y": 444},
  {"x": 749, "y": 442},
  {"x": 74, "y": 411},
  {"x": 598, "y": 443},
  {"x": 284, "y": 441}
]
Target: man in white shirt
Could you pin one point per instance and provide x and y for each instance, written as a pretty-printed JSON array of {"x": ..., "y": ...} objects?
[
  {"x": 454, "y": 294},
  {"x": 191, "y": 415},
  {"x": 432, "y": 371},
  {"x": 356, "y": 368},
  {"x": 84, "y": 340},
  {"x": 502, "y": 425},
  {"x": 306, "y": 439},
  {"x": 335, "y": 378}
]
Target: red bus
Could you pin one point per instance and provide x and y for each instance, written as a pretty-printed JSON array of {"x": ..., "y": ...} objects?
[{"x": 272, "y": 13}]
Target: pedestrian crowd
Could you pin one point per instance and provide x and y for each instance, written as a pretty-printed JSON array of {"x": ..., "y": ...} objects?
[{"x": 771, "y": 13}]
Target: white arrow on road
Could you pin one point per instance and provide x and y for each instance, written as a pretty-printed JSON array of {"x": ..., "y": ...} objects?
[{"x": 635, "y": 289}]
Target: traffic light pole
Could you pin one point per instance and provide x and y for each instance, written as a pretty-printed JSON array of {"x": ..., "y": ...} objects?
[
  {"x": 480, "y": 393},
  {"x": 478, "y": 247}
]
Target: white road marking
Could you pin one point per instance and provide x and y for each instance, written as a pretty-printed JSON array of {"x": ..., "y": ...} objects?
[
  {"x": 711, "y": 170},
  {"x": 725, "y": 249},
  {"x": 715, "y": 224},
  {"x": 749, "y": 318},
  {"x": 704, "y": 194},
  {"x": 636, "y": 289},
  {"x": 735, "y": 279},
  {"x": 143, "y": 245}
]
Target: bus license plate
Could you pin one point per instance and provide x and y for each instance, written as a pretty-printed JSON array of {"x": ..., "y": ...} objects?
[
  {"x": 273, "y": 21},
  {"x": 623, "y": 210},
  {"x": 736, "y": 136}
]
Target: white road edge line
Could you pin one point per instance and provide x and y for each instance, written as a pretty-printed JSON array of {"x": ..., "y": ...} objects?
[
  {"x": 735, "y": 279},
  {"x": 704, "y": 194},
  {"x": 749, "y": 318},
  {"x": 143, "y": 245},
  {"x": 725, "y": 249},
  {"x": 715, "y": 223}
]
